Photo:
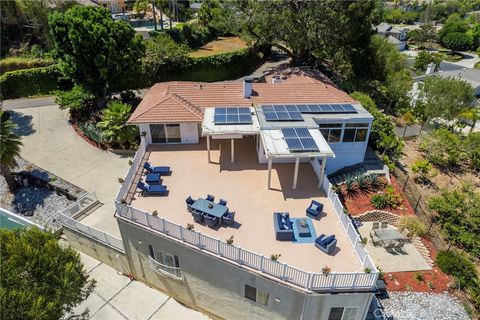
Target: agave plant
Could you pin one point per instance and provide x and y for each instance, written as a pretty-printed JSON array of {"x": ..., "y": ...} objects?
[
  {"x": 374, "y": 181},
  {"x": 362, "y": 182},
  {"x": 349, "y": 183}
]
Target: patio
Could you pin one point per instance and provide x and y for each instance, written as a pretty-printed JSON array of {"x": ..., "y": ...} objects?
[
  {"x": 409, "y": 259},
  {"x": 243, "y": 184}
]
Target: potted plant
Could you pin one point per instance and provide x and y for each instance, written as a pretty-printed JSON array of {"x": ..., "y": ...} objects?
[
  {"x": 363, "y": 240},
  {"x": 367, "y": 270},
  {"x": 275, "y": 256},
  {"x": 230, "y": 240},
  {"x": 326, "y": 270},
  {"x": 155, "y": 213},
  {"x": 121, "y": 180},
  {"x": 190, "y": 226}
]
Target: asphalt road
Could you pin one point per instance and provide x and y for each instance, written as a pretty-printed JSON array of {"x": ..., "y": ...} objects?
[{"x": 28, "y": 103}]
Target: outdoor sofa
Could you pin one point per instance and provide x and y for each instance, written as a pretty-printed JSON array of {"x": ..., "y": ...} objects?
[{"x": 283, "y": 226}]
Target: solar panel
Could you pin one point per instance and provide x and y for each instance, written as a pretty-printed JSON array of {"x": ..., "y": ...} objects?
[
  {"x": 295, "y": 111},
  {"x": 270, "y": 115},
  {"x": 337, "y": 108},
  {"x": 232, "y": 115},
  {"x": 299, "y": 139},
  {"x": 282, "y": 113},
  {"x": 349, "y": 108},
  {"x": 303, "y": 108}
]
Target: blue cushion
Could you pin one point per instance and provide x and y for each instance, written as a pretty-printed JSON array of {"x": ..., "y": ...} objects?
[{"x": 328, "y": 239}]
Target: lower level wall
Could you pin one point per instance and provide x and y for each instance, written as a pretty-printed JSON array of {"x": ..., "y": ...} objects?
[
  {"x": 106, "y": 254},
  {"x": 217, "y": 287}
]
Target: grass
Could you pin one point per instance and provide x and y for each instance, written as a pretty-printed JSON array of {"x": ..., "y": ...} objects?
[{"x": 221, "y": 45}]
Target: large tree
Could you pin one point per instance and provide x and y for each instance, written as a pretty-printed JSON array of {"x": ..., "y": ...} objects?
[
  {"x": 40, "y": 279},
  {"x": 10, "y": 145},
  {"x": 95, "y": 51}
]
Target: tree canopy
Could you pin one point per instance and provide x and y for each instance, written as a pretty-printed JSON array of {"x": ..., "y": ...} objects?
[
  {"x": 93, "y": 50},
  {"x": 10, "y": 144},
  {"x": 41, "y": 279}
]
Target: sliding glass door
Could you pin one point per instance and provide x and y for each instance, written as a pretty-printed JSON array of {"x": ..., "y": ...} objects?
[{"x": 169, "y": 133}]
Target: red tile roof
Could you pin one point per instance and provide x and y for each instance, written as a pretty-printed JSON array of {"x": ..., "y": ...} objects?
[{"x": 175, "y": 102}]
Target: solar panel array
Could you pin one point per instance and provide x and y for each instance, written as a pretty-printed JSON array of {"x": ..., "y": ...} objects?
[
  {"x": 234, "y": 115},
  {"x": 299, "y": 139},
  {"x": 293, "y": 112}
]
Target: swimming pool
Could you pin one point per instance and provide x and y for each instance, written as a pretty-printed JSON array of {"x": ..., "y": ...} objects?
[{"x": 9, "y": 220}]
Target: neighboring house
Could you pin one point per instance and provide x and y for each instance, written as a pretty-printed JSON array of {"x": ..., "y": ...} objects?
[
  {"x": 264, "y": 148},
  {"x": 394, "y": 35},
  {"x": 195, "y": 6},
  {"x": 115, "y": 6}
]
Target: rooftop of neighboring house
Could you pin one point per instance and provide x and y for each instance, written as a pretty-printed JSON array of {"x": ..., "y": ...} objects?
[
  {"x": 174, "y": 102},
  {"x": 472, "y": 76}
]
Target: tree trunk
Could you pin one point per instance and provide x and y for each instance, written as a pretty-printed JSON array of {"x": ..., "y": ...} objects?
[
  {"x": 161, "y": 18},
  {"x": 7, "y": 173}
]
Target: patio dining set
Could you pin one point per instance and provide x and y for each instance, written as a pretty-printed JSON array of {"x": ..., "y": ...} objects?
[
  {"x": 389, "y": 238},
  {"x": 206, "y": 211},
  {"x": 153, "y": 180}
]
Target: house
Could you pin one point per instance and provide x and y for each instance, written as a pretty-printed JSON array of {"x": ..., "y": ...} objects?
[
  {"x": 115, "y": 6},
  {"x": 259, "y": 151},
  {"x": 394, "y": 35}
]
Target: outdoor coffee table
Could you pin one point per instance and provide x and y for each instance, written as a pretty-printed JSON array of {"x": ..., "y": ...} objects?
[{"x": 303, "y": 231}]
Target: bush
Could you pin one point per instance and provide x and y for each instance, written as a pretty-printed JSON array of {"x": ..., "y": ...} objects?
[
  {"x": 75, "y": 100},
  {"x": 422, "y": 167},
  {"x": 441, "y": 147},
  {"x": 379, "y": 201},
  {"x": 455, "y": 263},
  {"x": 15, "y": 63},
  {"x": 393, "y": 199},
  {"x": 424, "y": 58},
  {"x": 471, "y": 146},
  {"x": 414, "y": 226},
  {"x": 32, "y": 82}
]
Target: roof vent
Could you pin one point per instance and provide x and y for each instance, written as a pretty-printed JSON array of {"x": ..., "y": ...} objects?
[
  {"x": 247, "y": 87},
  {"x": 277, "y": 79}
]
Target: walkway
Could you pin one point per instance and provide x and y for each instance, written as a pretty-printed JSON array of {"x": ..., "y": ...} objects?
[
  {"x": 50, "y": 143},
  {"x": 116, "y": 297}
]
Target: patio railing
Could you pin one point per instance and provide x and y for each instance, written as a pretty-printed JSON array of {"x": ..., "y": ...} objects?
[
  {"x": 84, "y": 202},
  {"x": 281, "y": 271},
  {"x": 347, "y": 225},
  {"x": 132, "y": 171}
]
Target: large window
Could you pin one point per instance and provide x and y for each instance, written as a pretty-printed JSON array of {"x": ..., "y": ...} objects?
[
  {"x": 165, "y": 133},
  {"x": 331, "y": 131},
  {"x": 256, "y": 295},
  {"x": 341, "y": 313},
  {"x": 163, "y": 257},
  {"x": 355, "y": 132}
]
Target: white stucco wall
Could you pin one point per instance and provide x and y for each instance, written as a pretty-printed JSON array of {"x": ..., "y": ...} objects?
[
  {"x": 346, "y": 154},
  {"x": 189, "y": 132},
  {"x": 145, "y": 128}
]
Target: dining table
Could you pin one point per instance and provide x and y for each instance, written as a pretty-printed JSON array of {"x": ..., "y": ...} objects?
[{"x": 209, "y": 207}]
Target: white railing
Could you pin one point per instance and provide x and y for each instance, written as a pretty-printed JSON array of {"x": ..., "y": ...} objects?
[
  {"x": 282, "y": 271},
  {"x": 82, "y": 203},
  {"x": 93, "y": 233},
  {"x": 164, "y": 270},
  {"x": 347, "y": 225},
  {"x": 132, "y": 171}
]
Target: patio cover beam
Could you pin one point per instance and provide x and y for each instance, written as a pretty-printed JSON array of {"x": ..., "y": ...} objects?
[
  {"x": 232, "y": 157},
  {"x": 295, "y": 174},
  {"x": 208, "y": 148},
  {"x": 322, "y": 171},
  {"x": 269, "y": 172}
]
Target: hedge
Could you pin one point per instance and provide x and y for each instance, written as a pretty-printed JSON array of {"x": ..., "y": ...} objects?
[
  {"x": 14, "y": 63},
  {"x": 31, "y": 82}
]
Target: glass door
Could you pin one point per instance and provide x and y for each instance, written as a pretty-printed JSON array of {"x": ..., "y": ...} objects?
[
  {"x": 158, "y": 133},
  {"x": 173, "y": 133}
]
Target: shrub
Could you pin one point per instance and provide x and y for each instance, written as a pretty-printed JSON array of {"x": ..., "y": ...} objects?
[
  {"x": 419, "y": 277},
  {"x": 414, "y": 226},
  {"x": 393, "y": 199},
  {"x": 424, "y": 58},
  {"x": 31, "y": 82},
  {"x": 379, "y": 201},
  {"x": 362, "y": 182},
  {"x": 75, "y": 100},
  {"x": 471, "y": 146},
  {"x": 455, "y": 263},
  {"x": 349, "y": 184},
  {"x": 374, "y": 181},
  {"x": 114, "y": 126},
  {"x": 422, "y": 167},
  {"x": 275, "y": 256},
  {"x": 16, "y": 63},
  {"x": 441, "y": 147}
]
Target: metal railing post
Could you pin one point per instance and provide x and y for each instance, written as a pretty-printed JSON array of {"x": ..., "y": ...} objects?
[{"x": 181, "y": 233}]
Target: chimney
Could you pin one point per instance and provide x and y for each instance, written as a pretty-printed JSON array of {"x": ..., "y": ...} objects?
[
  {"x": 247, "y": 87},
  {"x": 277, "y": 79},
  {"x": 430, "y": 68}
]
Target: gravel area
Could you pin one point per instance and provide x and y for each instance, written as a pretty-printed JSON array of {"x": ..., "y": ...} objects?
[
  {"x": 42, "y": 202},
  {"x": 423, "y": 306}
]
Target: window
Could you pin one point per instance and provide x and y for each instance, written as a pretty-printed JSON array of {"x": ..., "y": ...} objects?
[
  {"x": 341, "y": 313},
  {"x": 355, "y": 132},
  {"x": 256, "y": 295},
  {"x": 165, "y": 133},
  {"x": 331, "y": 131},
  {"x": 163, "y": 257}
]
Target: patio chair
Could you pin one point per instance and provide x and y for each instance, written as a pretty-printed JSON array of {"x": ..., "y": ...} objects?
[
  {"x": 384, "y": 225},
  {"x": 389, "y": 247},
  {"x": 229, "y": 218},
  {"x": 375, "y": 239},
  {"x": 376, "y": 225},
  {"x": 326, "y": 243},
  {"x": 405, "y": 233},
  {"x": 314, "y": 209},
  {"x": 399, "y": 247},
  {"x": 147, "y": 189},
  {"x": 162, "y": 170},
  {"x": 189, "y": 201},
  {"x": 211, "y": 221},
  {"x": 197, "y": 217},
  {"x": 222, "y": 202},
  {"x": 210, "y": 198}
]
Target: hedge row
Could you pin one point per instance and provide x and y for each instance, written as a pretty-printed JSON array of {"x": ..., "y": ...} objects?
[
  {"x": 31, "y": 82},
  {"x": 14, "y": 63}
]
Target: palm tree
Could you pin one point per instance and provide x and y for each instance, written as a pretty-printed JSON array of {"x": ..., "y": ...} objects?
[
  {"x": 9, "y": 149},
  {"x": 114, "y": 123}
]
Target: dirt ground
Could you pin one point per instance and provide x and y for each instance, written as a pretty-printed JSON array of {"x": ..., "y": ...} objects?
[
  {"x": 442, "y": 179},
  {"x": 221, "y": 45}
]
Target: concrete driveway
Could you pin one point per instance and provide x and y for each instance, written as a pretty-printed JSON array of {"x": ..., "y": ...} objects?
[
  {"x": 50, "y": 143},
  {"x": 116, "y": 297}
]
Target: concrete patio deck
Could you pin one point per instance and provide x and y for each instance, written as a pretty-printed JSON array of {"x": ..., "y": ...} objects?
[
  {"x": 244, "y": 185},
  {"x": 411, "y": 260}
]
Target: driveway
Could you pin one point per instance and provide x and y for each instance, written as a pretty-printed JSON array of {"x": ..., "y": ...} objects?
[
  {"x": 116, "y": 297},
  {"x": 51, "y": 143}
]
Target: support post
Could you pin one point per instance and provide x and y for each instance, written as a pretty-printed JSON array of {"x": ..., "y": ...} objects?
[
  {"x": 269, "y": 172},
  {"x": 232, "y": 159},
  {"x": 322, "y": 171},
  {"x": 208, "y": 148},
  {"x": 295, "y": 174}
]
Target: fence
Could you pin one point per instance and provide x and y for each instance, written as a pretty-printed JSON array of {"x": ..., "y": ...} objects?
[
  {"x": 347, "y": 224},
  {"x": 82, "y": 203},
  {"x": 420, "y": 207},
  {"x": 132, "y": 171},
  {"x": 282, "y": 271},
  {"x": 93, "y": 233}
]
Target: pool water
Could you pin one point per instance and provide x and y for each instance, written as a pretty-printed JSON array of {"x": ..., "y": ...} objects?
[{"x": 8, "y": 223}]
